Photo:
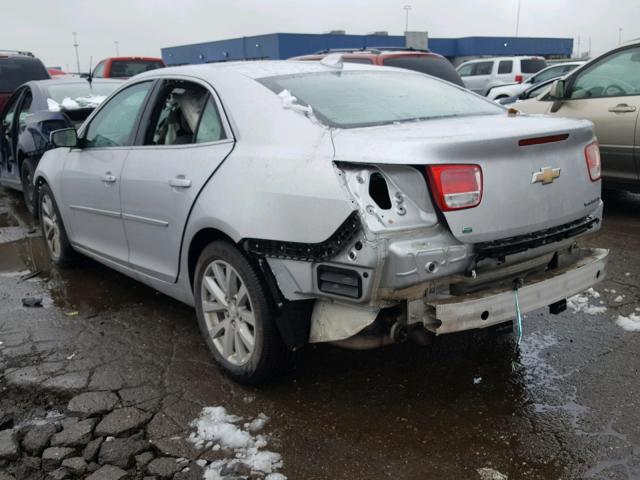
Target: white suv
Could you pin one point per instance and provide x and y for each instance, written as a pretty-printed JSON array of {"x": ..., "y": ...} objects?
[{"x": 482, "y": 74}]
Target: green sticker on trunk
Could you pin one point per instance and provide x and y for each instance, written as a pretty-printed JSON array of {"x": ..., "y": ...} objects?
[{"x": 467, "y": 230}]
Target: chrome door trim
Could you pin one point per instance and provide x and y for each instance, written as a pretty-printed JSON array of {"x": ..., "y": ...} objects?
[
  {"x": 150, "y": 221},
  {"x": 97, "y": 211}
]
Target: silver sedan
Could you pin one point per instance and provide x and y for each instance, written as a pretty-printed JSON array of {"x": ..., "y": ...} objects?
[{"x": 297, "y": 202}]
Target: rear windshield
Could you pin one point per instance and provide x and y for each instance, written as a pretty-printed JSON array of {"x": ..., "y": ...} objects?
[
  {"x": 533, "y": 65},
  {"x": 16, "y": 71},
  {"x": 73, "y": 96},
  {"x": 431, "y": 65},
  {"x": 129, "y": 68},
  {"x": 350, "y": 99}
]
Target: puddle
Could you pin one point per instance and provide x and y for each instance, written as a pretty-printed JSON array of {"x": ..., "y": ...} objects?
[{"x": 27, "y": 254}]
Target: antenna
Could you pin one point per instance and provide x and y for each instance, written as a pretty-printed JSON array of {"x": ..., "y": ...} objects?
[{"x": 90, "y": 76}]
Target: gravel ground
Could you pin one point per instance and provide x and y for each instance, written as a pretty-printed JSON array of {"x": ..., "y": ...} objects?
[{"x": 106, "y": 378}]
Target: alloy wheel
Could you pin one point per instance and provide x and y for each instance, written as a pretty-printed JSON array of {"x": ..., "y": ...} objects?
[
  {"x": 228, "y": 313},
  {"x": 51, "y": 226}
]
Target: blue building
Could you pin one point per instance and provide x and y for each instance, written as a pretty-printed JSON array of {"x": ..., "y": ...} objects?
[{"x": 286, "y": 45}]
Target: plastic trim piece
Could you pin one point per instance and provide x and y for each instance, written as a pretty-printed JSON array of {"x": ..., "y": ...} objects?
[{"x": 309, "y": 252}]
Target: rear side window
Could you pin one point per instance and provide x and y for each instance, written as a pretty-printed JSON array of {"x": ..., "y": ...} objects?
[
  {"x": 14, "y": 71},
  {"x": 532, "y": 65},
  {"x": 483, "y": 68},
  {"x": 505, "y": 66},
  {"x": 431, "y": 65},
  {"x": 210, "y": 128},
  {"x": 129, "y": 68}
]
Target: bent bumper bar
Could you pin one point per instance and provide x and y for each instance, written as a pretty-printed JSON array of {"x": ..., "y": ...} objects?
[{"x": 486, "y": 308}]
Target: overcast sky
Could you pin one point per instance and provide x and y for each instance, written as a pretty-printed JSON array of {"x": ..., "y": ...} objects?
[{"x": 142, "y": 27}]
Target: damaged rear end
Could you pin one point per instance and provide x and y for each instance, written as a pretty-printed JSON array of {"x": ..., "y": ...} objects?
[{"x": 455, "y": 215}]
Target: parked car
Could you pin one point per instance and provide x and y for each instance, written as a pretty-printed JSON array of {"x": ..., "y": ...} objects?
[
  {"x": 56, "y": 72},
  {"x": 606, "y": 91},
  {"x": 125, "y": 67},
  {"x": 17, "y": 68},
  {"x": 514, "y": 89},
  {"x": 35, "y": 110},
  {"x": 296, "y": 202},
  {"x": 416, "y": 60},
  {"x": 529, "y": 97},
  {"x": 481, "y": 75}
]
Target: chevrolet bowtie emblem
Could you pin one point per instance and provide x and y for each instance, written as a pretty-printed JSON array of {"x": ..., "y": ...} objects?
[{"x": 546, "y": 175}]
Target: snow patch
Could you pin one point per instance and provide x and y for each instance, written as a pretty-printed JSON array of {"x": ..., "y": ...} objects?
[
  {"x": 630, "y": 323},
  {"x": 618, "y": 298},
  {"x": 581, "y": 303},
  {"x": 216, "y": 429},
  {"x": 491, "y": 474}
]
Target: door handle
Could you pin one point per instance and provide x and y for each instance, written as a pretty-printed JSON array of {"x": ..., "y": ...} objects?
[
  {"x": 180, "y": 182},
  {"x": 622, "y": 108},
  {"x": 109, "y": 178}
]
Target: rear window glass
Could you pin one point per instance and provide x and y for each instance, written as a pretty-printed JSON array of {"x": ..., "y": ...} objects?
[
  {"x": 72, "y": 96},
  {"x": 129, "y": 68},
  {"x": 357, "y": 60},
  {"x": 16, "y": 71},
  {"x": 533, "y": 65},
  {"x": 505, "y": 66},
  {"x": 351, "y": 99},
  {"x": 431, "y": 65}
]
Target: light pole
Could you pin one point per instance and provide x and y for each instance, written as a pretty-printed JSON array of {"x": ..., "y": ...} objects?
[
  {"x": 117, "y": 44},
  {"x": 406, "y": 23},
  {"x": 75, "y": 45},
  {"x": 518, "y": 18},
  {"x": 619, "y": 35}
]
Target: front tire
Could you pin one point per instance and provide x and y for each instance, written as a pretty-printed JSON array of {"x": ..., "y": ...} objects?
[
  {"x": 235, "y": 315},
  {"x": 53, "y": 231},
  {"x": 28, "y": 188}
]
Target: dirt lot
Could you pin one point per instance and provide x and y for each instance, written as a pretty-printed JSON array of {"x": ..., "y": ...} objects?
[{"x": 567, "y": 405}]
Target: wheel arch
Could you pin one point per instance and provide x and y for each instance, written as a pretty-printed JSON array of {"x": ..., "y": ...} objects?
[{"x": 198, "y": 243}]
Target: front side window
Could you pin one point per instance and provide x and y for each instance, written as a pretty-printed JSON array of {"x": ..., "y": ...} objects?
[
  {"x": 7, "y": 120},
  {"x": 176, "y": 113},
  {"x": 25, "y": 106},
  {"x": 99, "y": 71},
  {"x": 505, "y": 66},
  {"x": 113, "y": 125},
  {"x": 465, "y": 70},
  {"x": 351, "y": 99},
  {"x": 617, "y": 75}
]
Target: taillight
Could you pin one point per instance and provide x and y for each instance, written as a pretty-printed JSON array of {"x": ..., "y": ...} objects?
[
  {"x": 455, "y": 187},
  {"x": 594, "y": 165},
  {"x": 519, "y": 78}
]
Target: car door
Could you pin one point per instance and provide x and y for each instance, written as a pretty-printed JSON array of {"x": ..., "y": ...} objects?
[
  {"x": 9, "y": 137},
  {"x": 91, "y": 178},
  {"x": 476, "y": 75},
  {"x": 184, "y": 140},
  {"x": 607, "y": 92}
]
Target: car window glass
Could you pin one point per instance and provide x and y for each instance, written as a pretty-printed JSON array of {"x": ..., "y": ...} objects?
[
  {"x": 483, "y": 68},
  {"x": 536, "y": 91},
  {"x": 434, "y": 65},
  {"x": 129, "y": 68},
  {"x": 357, "y": 60},
  {"x": 25, "y": 106},
  {"x": 113, "y": 125},
  {"x": 210, "y": 128},
  {"x": 505, "y": 66},
  {"x": 615, "y": 76},
  {"x": 532, "y": 65},
  {"x": 7, "y": 120},
  {"x": 99, "y": 71},
  {"x": 547, "y": 74},
  {"x": 465, "y": 70},
  {"x": 176, "y": 114}
]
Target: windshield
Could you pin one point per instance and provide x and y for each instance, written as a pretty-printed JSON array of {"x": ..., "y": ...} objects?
[
  {"x": 16, "y": 71},
  {"x": 350, "y": 99},
  {"x": 129, "y": 68},
  {"x": 72, "y": 96}
]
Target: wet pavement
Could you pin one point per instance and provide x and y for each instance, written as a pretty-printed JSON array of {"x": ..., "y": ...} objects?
[{"x": 566, "y": 405}]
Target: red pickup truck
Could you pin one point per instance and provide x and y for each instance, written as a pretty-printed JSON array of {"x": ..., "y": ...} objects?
[
  {"x": 17, "y": 68},
  {"x": 125, "y": 67}
]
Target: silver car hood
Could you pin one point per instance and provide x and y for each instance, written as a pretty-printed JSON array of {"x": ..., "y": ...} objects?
[{"x": 512, "y": 204}]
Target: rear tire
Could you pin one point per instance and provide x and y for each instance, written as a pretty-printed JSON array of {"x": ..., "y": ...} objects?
[
  {"x": 55, "y": 236},
  {"x": 235, "y": 316},
  {"x": 29, "y": 190}
]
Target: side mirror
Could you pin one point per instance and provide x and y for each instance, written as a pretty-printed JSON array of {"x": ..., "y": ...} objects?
[
  {"x": 67, "y": 137},
  {"x": 557, "y": 90}
]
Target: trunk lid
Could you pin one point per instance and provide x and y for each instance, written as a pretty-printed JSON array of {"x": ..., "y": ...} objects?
[{"x": 512, "y": 204}]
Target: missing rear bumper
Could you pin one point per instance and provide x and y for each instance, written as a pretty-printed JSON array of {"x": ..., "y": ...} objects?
[{"x": 493, "y": 306}]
